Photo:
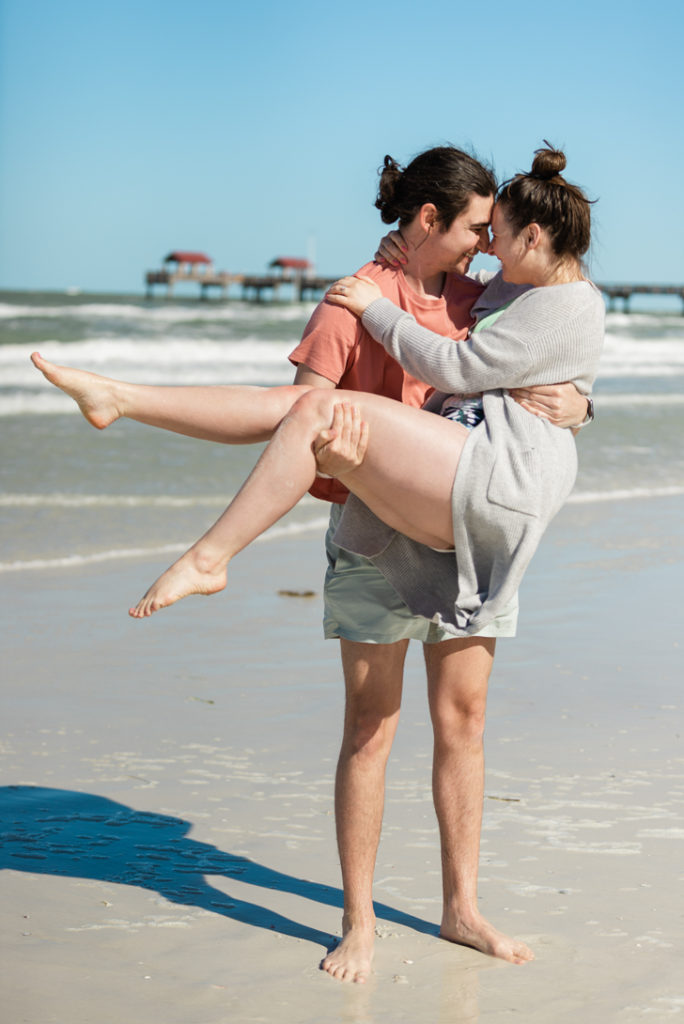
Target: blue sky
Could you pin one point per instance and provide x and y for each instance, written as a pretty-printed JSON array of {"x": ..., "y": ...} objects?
[{"x": 250, "y": 130}]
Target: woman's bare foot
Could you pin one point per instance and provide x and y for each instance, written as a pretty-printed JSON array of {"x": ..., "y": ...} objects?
[
  {"x": 351, "y": 960},
  {"x": 191, "y": 574},
  {"x": 94, "y": 395},
  {"x": 481, "y": 935}
]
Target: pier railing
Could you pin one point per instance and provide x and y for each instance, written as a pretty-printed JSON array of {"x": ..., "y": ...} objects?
[
  {"x": 299, "y": 285},
  {"x": 624, "y": 292}
]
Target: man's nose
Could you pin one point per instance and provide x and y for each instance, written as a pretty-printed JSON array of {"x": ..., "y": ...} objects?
[{"x": 485, "y": 245}]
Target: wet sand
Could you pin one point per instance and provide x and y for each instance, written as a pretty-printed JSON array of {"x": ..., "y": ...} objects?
[{"x": 166, "y": 801}]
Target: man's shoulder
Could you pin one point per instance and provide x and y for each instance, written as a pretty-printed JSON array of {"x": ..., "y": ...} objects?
[{"x": 388, "y": 279}]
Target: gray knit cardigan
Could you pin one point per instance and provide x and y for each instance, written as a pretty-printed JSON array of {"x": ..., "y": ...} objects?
[{"x": 515, "y": 471}]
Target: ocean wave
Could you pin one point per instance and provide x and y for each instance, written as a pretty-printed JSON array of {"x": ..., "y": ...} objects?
[
  {"x": 623, "y": 494},
  {"x": 279, "y": 532},
  {"x": 78, "y": 561},
  {"x": 657, "y": 323},
  {"x": 177, "y": 362},
  {"x": 629, "y": 357},
  {"x": 235, "y": 310},
  {"x": 604, "y": 401},
  {"x": 60, "y": 500},
  {"x": 168, "y": 354}
]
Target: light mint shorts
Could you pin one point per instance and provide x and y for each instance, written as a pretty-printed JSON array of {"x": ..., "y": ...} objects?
[{"x": 360, "y": 605}]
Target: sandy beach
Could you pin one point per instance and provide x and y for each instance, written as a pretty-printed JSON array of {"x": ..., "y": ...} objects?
[{"x": 166, "y": 800}]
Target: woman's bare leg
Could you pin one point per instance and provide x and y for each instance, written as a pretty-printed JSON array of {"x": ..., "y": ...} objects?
[
  {"x": 410, "y": 491},
  {"x": 230, "y": 415}
]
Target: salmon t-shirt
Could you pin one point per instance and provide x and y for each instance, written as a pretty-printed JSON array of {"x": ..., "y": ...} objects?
[{"x": 336, "y": 345}]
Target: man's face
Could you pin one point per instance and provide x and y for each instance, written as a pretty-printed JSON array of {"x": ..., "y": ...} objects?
[{"x": 468, "y": 235}]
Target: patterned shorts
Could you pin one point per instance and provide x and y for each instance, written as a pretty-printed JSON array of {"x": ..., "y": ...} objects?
[{"x": 467, "y": 411}]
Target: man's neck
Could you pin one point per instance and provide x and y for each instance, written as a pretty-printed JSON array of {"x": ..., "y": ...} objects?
[
  {"x": 422, "y": 272},
  {"x": 422, "y": 281}
]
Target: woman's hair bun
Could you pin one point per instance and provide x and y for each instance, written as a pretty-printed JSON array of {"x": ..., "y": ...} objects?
[{"x": 548, "y": 162}]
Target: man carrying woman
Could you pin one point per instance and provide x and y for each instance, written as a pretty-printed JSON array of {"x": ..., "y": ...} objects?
[{"x": 441, "y": 239}]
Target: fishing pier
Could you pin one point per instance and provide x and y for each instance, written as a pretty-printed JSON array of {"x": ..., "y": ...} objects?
[
  {"x": 289, "y": 274},
  {"x": 624, "y": 292},
  {"x": 290, "y": 278}
]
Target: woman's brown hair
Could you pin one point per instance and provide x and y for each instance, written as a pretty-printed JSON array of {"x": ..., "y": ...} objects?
[{"x": 544, "y": 197}]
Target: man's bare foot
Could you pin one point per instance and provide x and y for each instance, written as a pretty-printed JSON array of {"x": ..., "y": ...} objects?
[
  {"x": 189, "y": 575},
  {"x": 94, "y": 395},
  {"x": 351, "y": 960},
  {"x": 481, "y": 935}
]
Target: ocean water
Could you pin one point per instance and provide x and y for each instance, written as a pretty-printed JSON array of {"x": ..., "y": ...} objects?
[{"x": 71, "y": 495}]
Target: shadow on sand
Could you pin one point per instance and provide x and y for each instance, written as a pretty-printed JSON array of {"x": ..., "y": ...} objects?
[{"x": 81, "y": 835}]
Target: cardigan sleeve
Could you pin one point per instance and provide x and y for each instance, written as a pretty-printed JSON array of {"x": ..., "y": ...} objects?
[{"x": 545, "y": 336}]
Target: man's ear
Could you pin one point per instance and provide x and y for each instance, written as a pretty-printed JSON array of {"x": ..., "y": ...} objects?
[{"x": 428, "y": 216}]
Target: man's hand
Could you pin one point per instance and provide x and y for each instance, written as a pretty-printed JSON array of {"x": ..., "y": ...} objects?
[
  {"x": 560, "y": 404},
  {"x": 342, "y": 447}
]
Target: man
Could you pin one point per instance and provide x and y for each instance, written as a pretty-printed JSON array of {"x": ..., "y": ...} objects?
[{"x": 443, "y": 201}]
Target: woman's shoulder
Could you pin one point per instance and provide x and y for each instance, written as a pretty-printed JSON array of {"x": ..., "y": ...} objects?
[{"x": 574, "y": 298}]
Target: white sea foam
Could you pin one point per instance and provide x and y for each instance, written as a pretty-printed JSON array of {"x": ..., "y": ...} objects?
[
  {"x": 162, "y": 313},
  {"x": 642, "y": 357},
  {"x": 624, "y": 494},
  {"x": 57, "y": 500},
  {"x": 280, "y": 532},
  {"x": 175, "y": 362},
  {"x": 75, "y": 561},
  {"x": 172, "y": 355},
  {"x": 660, "y": 400},
  {"x": 655, "y": 324}
]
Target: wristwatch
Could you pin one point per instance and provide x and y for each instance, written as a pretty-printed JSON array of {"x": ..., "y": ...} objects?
[{"x": 589, "y": 418}]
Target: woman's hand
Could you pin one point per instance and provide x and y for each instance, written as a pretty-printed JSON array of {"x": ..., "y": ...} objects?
[
  {"x": 354, "y": 293},
  {"x": 392, "y": 250},
  {"x": 560, "y": 404},
  {"x": 342, "y": 447}
]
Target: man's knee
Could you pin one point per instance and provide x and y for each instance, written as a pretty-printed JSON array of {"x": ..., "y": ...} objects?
[
  {"x": 459, "y": 721},
  {"x": 368, "y": 732},
  {"x": 373, "y": 676}
]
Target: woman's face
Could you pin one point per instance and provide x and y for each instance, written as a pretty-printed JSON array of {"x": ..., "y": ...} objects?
[{"x": 509, "y": 249}]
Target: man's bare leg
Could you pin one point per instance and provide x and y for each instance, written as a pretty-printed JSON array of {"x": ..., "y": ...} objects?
[
  {"x": 373, "y": 681},
  {"x": 458, "y": 674},
  {"x": 227, "y": 414}
]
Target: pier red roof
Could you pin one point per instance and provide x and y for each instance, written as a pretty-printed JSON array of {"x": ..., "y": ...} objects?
[
  {"x": 183, "y": 256},
  {"x": 290, "y": 262}
]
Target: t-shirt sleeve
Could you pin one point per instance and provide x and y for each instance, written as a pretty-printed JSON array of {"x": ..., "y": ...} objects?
[{"x": 328, "y": 342}]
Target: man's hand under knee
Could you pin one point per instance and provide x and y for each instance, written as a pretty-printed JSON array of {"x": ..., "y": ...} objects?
[{"x": 342, "y": 447}]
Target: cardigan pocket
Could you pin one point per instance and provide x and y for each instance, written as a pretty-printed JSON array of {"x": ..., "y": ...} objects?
[{"x": 515, "y": 481}]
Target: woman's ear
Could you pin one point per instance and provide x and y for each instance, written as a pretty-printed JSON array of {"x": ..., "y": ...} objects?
[{"x": 533, "y": 235}]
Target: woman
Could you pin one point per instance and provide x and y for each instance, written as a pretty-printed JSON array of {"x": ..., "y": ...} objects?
[{"x": 514, "y": 470}]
